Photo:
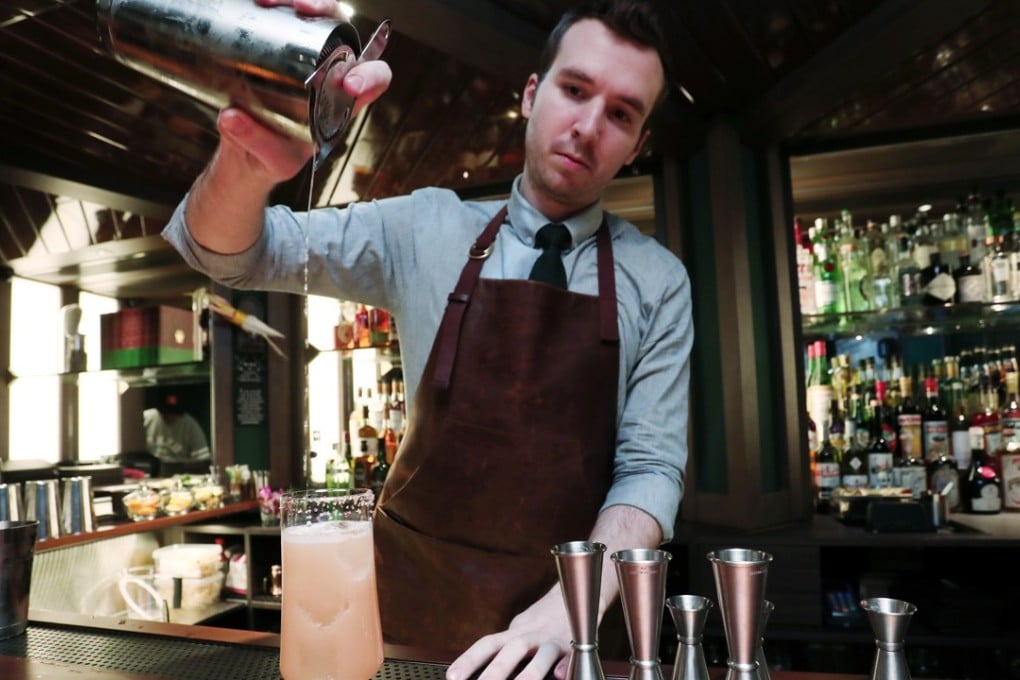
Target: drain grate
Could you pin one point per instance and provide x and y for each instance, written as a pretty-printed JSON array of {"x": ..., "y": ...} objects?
[{"x": 172, "y": 657}]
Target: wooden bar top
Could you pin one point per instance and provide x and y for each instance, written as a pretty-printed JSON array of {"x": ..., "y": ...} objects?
[{"x": 21, "y": 668}]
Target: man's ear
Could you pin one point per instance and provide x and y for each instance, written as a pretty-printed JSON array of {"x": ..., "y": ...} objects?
[
  {"x": 637, "y": 147},
  {"x": 528, "y": 97}
]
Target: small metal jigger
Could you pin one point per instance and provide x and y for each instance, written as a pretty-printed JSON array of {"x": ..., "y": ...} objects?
[
  {"x": 889, "y": 620},
  {"x": 740, "y": 577},
  {"x": 689, "y": 613},
  {"x": 642, "y": 576},
  {"x": 579, "y": 564},
  {"x": 763, "y": 666}
]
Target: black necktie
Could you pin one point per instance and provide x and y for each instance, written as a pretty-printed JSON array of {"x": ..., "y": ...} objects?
[{"x": 553, "y": 239}]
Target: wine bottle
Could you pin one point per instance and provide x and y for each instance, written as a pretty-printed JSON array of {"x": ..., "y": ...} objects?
[
  {"x": 934, "y": 423},
  {"x": 880, "y": 455},
  {"x": 981, "y": 488},
  {"x": 826, "y": 470}
]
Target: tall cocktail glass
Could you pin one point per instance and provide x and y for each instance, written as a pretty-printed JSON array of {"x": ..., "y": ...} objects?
[{"x": 330, "y": 609}]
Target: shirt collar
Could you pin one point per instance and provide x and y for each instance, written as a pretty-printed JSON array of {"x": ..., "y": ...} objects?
[{"x": 526, "y": 220}]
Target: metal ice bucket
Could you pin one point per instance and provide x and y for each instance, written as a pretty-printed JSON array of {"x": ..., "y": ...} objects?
[{"x": 17, "y": 547}]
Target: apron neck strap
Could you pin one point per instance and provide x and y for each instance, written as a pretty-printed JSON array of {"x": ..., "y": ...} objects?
[{"x": 457, "y": 302}]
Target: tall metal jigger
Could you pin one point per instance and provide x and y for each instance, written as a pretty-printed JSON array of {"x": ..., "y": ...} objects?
[
  {"x": 740, "y": 578},
  {"x": 763, "y": 667},
  {"x": 642, "y": 576},
  {"x": 889, "y": 620},
  {"x": 579, "y": 564},
  {"x": 689, "y": 613}
]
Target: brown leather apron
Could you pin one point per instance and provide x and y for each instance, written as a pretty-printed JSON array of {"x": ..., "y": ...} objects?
[{"x": 509, "y": 452}]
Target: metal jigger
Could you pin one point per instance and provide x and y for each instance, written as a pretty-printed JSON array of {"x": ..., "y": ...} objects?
[
  {"x": 763, "y": 666},
  {"x": 689, "y": 613},
  {"x": 740, "y": 577},
  {"x": 642, "y": 576},
  {"x": 889, "y": 620},
  {"x": 579, "y": 564}
]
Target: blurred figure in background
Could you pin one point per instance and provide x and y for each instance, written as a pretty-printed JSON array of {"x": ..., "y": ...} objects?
[{"x": 171, "y": 433}]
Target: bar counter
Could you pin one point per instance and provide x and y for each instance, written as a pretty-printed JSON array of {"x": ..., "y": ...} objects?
[{"x": 62, "y": 646}]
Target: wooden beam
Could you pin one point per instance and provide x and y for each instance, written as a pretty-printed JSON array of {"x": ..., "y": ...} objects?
[
  {"x": 891, "y": 34},
  {"x": 476, "y": 32}
]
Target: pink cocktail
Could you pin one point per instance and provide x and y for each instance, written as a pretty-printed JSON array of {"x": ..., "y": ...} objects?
[{"x": 330, "y": 609}]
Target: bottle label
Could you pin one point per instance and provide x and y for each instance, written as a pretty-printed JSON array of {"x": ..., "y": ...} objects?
[
  {"x": 855, "y": 481},
  {"x": 913, "y": 478},
  {"x": 880, "y": 466},
  {"x": 910, "y": 434},
  {"x": 1011, "y": 480},
  {"x": 971, "y": 288},
  {"x": 910, "y": 285},
  {"x": 1010, "y": 432},
  {"x": 961, "y": 449},
  {"x": 936, "y": 439},
  {"x": 1000, "y": 277},
  {"x": 825, "y": 296},
  {"x": 988, "y": 500},
  {"x": 942, "y": 287},
  {"x": 826, "y": 478}
]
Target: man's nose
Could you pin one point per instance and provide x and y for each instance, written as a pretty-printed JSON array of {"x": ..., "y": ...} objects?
[{"x": 588, "y": 123}]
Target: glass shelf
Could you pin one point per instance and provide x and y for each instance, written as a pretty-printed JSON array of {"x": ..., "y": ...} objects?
[
  {"x": 923, "y": 320},
  {"x": 169, "y": 374}
]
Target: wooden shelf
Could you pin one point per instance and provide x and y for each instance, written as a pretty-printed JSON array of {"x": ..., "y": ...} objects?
[{"x": 126, "y": 527}]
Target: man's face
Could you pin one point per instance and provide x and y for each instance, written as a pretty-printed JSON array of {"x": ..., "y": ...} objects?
[{"x": 586, "y": 117}]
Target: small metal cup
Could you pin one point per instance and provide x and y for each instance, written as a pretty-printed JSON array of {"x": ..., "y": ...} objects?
[
  {"x": 77, "y": 510},
  {"x": 41, "y": 504},
  {"x": 11, "y": 507}
]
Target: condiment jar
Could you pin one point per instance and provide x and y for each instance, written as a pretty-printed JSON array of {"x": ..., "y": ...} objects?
[{"x": 143, "y": 503}]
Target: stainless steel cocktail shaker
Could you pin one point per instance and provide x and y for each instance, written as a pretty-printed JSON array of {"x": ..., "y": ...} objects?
[{"x": 265, "y": 60}]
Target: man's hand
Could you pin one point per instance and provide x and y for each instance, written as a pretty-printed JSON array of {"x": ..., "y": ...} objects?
[
  {"x": 540, "y": 632},
  {"x": 272, "y": 156}
]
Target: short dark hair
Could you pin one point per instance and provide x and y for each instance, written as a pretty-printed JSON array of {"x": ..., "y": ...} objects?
[{"x": 635, "y": 20}]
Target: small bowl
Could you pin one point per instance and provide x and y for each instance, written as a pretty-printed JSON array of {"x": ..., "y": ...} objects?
[{"x": 142, "y": 504}]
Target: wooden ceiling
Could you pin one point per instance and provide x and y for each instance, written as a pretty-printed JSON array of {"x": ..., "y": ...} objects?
[{"x": 82, "y": 134}]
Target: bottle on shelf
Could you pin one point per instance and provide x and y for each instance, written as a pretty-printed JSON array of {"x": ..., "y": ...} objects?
[
  {"x": 363, "y": 464},
  {"x": 853, "y": 466},
  {"x": 826, "y": 469},
  {"x": 934, "y": 422},
  {"x": 819, "y": 381},
  {"x": 378, "y": 475},
  {"x": 937, "y": 282},
  {"x": 880, "y": 455},
  {"x": 908, "y": 421},
  {"x": 853, "y": 266},
  {"x": 338, "y": 471},
  {"x": 805, "y": 267},
  {"x": 362, "y": 327},
  {"x": 981, "y": 492},
  {"x": 908, "y": 276},
  {"x": 970, "y": 281},
  {"x": 368, "y": 435},
  {"x": 1009, "y": 461}
]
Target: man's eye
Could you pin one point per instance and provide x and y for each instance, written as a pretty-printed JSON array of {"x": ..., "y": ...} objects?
[
  {"x": 621, "y": 116},
  {"x": 572, "y": 90}
]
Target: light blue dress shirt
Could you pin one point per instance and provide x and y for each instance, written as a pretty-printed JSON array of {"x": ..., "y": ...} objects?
[{"x": 404, "y": 254}]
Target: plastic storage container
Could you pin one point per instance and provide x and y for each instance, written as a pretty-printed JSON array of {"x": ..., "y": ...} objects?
[
  {"x": 195, "y": 592},
  {"x": 188, "y": 560}
]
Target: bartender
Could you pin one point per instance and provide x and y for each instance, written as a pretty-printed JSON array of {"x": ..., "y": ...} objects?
[{"x": 545, "y": 343}]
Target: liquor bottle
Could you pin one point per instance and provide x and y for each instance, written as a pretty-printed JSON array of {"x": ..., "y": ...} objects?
[
  {"x": 826, "y": 470},
  {"x": 954, "y": 240},
  {"x": 908, "y": 422},
  {"x": 942, "y": 471},
  {"x": 959, "y": 424},
  {"x": 338, "y": 472},
  {"x": 368, "y": 436},
  {"x": 970, "y": 281},
  {"x": 354, "y": 421},
  {"x": 1009, "y": 461},
  {"x": 909, "y": 472},
  {"x": 389, "y": 438},
  {"x": 853, "y": 466},
  {"x": 934, "y": 423},
  {"x": 998, "y": 269},
  {"x": 886, "y": 416},
  {"x": 937, "y": 281},
  {"x": 819, "y": 382},
  {"x": 854, "y": 270},
  {"x": 379, "y": 326},
  {"x": 363, "y": 463},
  {"x": 363, "y": 327},
  {"x": 837, "y": 428},
  {"x": 977, "y": 227},
  {"x": 987, "y": 417},
  {"x": 378, "y": 476},
  {"x": 981, "y": 487},
  {"x": 805, "y": 267},
  {"x": 829, "y": 295},
  {"x": 885, "y": 293},
  {"x": 880, "y": 455},
  {"x": 908, "y": 275}
]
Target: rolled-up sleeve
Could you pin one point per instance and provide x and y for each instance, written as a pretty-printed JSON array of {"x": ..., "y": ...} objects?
[{"x": 651, "y": 450}]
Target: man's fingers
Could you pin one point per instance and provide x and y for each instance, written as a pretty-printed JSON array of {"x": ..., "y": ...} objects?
[
  {"x": 538, "y": 668},
  {"x": 476, "y": 656},
  {"x": 311, "y": 8},
  {"x": 279, "y": 156},
  {"x": 365, "y": 82}
]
